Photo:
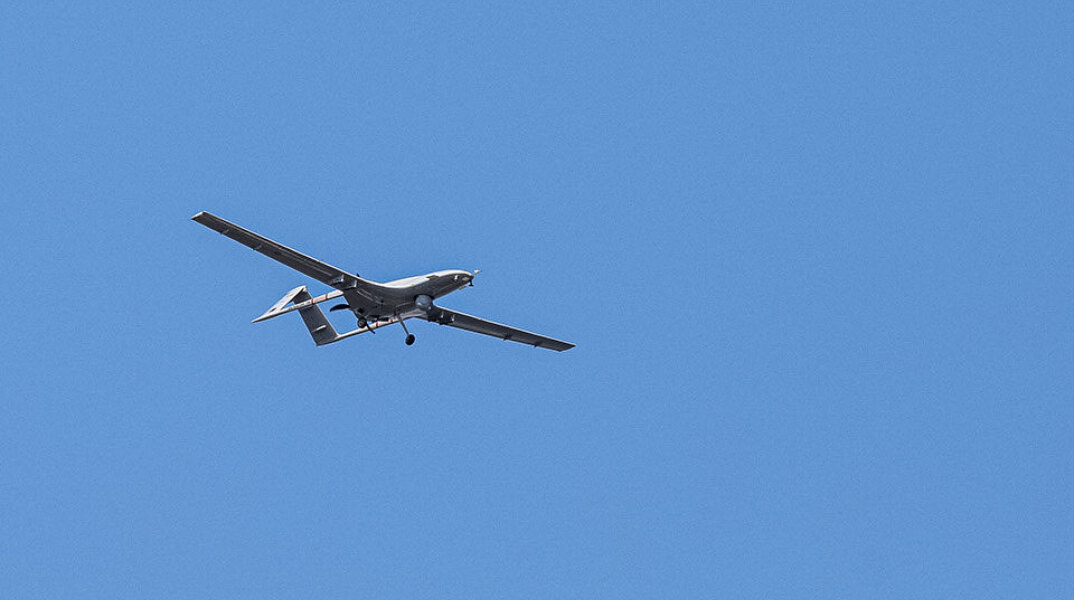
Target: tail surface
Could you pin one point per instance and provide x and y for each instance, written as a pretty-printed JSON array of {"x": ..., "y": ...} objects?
[{"x": 319, "y": 327}]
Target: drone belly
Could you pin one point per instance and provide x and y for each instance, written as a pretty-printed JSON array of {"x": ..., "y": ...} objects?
[
  {"x": 378, "y": 305},
  {"x": 384, "y": 301},
  {"x": 363, "y": 306},
  {"x": 442, "y": 287},
  {"x": 419, "y": 296}
]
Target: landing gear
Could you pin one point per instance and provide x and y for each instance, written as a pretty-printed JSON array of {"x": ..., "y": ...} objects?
[
  {"x": 409, "y": 336},
  {"x": 362, "y": 323}
]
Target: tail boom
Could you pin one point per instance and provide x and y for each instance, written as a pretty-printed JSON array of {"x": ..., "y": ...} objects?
[{"x": 295, "y": 296}]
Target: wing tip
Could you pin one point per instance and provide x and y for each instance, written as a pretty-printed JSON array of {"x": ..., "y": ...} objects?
[{"x": 557, "y": 345}]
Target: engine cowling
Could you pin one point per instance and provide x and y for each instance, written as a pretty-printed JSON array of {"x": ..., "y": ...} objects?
[{"x": 424, "y": 302}]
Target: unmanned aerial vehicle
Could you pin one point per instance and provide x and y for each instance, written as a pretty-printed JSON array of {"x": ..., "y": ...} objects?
[{"x": 373, "y": 304}]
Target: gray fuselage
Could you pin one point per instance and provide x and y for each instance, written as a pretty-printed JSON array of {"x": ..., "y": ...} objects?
[{"x": 380, "y": 301}]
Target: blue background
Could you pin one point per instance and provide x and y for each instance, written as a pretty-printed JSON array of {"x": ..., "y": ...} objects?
[{"x": 816, "y": 258}]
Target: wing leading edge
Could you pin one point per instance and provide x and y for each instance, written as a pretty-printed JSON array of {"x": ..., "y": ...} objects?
[
  {"x": 445, "y": 316},
  {"x": 323, "y": 272}
]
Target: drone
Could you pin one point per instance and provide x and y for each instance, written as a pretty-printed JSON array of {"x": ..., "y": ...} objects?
[{"x": 373, "y": 304}]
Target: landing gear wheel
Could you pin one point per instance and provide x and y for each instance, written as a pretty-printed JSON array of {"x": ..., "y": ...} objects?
[
  {"x": 362, "y": 323},
  {"x": 410, "y": 339}
]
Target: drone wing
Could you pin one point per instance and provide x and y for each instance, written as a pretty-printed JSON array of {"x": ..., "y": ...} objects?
[
  {"x": 445, "y": 316},
  {"x": 307, "y": 265}
]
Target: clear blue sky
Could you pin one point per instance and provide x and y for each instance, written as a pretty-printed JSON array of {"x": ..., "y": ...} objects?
[{"x": 816, "y": 257}]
